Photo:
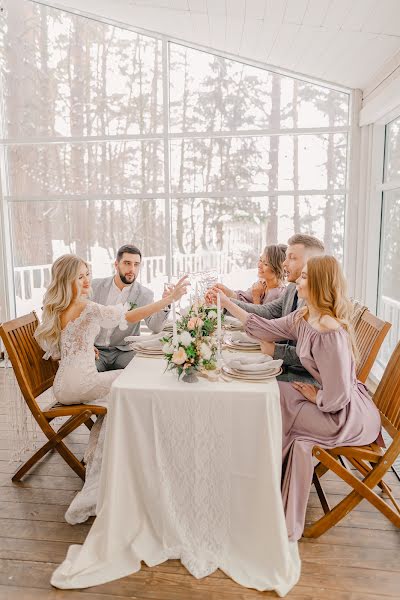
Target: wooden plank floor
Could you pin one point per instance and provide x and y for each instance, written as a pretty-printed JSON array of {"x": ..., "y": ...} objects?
[{"x": 357, "y": 560}]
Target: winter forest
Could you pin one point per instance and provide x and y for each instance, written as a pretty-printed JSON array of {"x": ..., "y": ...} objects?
[{"x": 111, "y": 137}]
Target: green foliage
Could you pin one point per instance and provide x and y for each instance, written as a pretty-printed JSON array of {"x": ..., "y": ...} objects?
[{"x": 197, "y": 347}]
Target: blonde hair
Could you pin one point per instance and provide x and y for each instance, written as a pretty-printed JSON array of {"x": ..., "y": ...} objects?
[
  {"x": 308, "y": 241},
  {"x": 327, "y": 292},
  {"x": 57, "y": 298}
]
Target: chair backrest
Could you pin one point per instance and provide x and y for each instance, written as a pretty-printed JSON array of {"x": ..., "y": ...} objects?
[
  {"x": 33, "y": 373},
  {"x": 370, "y": 331},
  {"x": 387, "y": 395}
]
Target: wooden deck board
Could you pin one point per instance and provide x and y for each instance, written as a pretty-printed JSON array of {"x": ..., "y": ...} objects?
[{"x": 357, "y": 560}]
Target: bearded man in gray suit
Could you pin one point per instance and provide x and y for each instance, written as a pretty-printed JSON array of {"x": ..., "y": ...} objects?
[
  {"x": 123, "y": 287},
  {"x": 300, "y": 248}
]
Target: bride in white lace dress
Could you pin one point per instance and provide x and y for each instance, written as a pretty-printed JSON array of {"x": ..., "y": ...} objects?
[{"x": 70, "y": 324}]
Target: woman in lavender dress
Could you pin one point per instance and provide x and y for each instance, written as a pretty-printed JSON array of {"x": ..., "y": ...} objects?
[
  {"x": 270, "y": 284},
  {"x": 339, "y": 413}
]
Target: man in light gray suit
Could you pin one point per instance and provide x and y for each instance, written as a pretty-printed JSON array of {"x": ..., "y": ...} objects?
[
  {"x": 123, "y": 287},
  {"x": 300, "y": 249}
]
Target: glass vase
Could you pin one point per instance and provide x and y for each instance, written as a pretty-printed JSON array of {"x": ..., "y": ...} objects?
[{"x": 190, "y": 375}]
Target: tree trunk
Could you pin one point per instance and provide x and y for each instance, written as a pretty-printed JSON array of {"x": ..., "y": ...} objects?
[
  {"x": 272, "y": 226},
  {"x": 330, "y": 200},
  {"x": 180, "y": 203},
  {"x": 77, "y": 182},
  {"x": 296, "y": 199}
]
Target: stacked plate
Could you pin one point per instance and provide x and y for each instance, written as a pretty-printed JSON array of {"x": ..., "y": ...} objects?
[
  {"x": 145, "y": 350},
  {"x": 260, "y": 368},
  {"x": 241, "y": 341},
  {"x": 262, "y": 376},
  {"x": 168, "y": 326},
  {"x": 147, "y": 346}
]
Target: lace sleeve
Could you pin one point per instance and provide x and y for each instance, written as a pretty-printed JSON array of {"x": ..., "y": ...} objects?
[
  {"x": 51, "y": 352},
  {"x": 113, "y": 316}
]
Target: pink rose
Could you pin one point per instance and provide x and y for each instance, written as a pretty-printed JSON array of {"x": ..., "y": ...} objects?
[
  {"x": 179, "y": 356},
  {"x": 194, "y": 322}
]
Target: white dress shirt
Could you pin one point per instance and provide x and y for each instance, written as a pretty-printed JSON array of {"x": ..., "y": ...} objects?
[{"x": 115, "y": 296}]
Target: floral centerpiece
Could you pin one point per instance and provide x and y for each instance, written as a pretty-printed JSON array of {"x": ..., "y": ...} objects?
[{"x": 196, "y": 347}]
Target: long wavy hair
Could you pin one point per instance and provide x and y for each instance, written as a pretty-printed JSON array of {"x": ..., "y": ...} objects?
[
  {"x": 59, "y": 295},
  {"x": 327, "y": 292},
  {"x": 275, "y": 256}
]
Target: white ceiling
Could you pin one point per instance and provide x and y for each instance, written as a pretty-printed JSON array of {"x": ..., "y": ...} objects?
[{"x": 342, "y": 41}]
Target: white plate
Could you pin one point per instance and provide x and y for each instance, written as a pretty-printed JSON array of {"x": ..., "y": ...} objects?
[
  {"x": 242, "y": 347},
  {"x": 251, "y": 377},
  {"x": 153, "y": 351}
]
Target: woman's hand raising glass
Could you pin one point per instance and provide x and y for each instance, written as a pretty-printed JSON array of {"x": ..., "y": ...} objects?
[
  {"x": 211, "y": 296},
  {"x": 224, "y": 289}
]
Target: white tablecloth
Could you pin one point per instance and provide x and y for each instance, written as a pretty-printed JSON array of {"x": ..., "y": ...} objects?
[{"x": 190, "y": 471}]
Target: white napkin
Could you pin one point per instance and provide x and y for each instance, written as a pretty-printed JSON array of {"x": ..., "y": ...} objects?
[
  {"x": 232, "y": 321},
  {"x": 150, "y": 344},
  {"x": 245, "y": 359},
  {"x": 240, "y": 337},
  {"x": 259, "y": 363}
]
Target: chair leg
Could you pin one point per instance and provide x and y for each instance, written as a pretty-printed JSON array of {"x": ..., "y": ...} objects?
[
  {"x": 396, "y": 473},
  {"x": 55, "y": 442},
  {"x": 320, "y": 470},
  {"x": 362, "y": 489},
  {"x": 89, "y": 424},
  {"x": 321, "y": 494},
  {"x": 71, "y": 460}
]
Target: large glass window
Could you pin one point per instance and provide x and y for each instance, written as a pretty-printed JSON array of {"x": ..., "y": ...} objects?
[
  {"x": 389, "y": 271},
  {"x": 93, "y": 155}
]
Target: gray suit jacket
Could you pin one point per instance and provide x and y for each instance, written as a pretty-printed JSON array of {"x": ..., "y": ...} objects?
[
  {"x": 140, "y": 296},
  {"x": 280, "y": 307}
]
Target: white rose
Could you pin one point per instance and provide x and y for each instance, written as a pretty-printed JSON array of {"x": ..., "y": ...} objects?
[
  {"x": 205, "y": 351},
  {"x": 185, "y": 338},
  {"x": 168, "y": 348},
  {"x": 212, "y": 314}
]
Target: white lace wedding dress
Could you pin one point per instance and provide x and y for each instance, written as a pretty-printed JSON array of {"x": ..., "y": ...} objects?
[{"x": 77, "y": 380}]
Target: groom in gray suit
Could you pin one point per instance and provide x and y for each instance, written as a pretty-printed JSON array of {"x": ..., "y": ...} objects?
[{"x": 123, "y": 287}]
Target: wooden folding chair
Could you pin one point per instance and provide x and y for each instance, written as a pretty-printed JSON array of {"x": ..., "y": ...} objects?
[
  {"x": 371, "y": 461},
  {"x": 369, "y": 335},
  {"x": 34, "y": 376}
]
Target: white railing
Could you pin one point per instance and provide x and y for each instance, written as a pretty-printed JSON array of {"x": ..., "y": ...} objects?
[
  {"x": 389, "y": 310},
  {"x": 31, "y": 282}
]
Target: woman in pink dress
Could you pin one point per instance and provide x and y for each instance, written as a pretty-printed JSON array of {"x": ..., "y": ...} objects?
[
  {"x": 270, "y": 284},
  {"x": 338, "y": 413}
]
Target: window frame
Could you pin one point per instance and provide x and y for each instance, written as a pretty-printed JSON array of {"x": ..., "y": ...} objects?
[{"x": 7, "y": 268}]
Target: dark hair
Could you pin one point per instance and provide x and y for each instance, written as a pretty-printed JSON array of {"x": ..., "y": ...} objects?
[{"x": 129, "y": 249}]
